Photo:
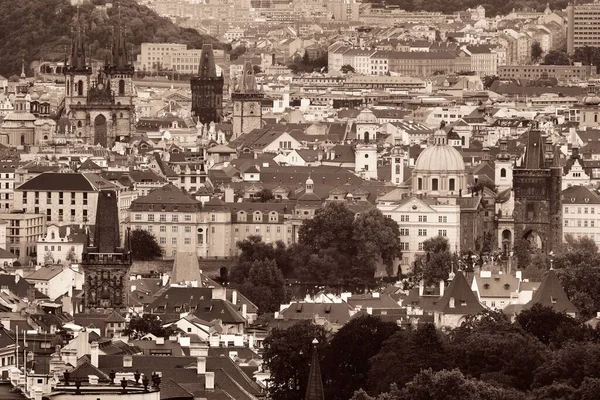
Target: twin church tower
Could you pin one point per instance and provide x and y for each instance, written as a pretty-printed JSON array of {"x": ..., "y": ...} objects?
[
  {"x": 99, "y": 106},
  {"x": 207, "y": 96}
]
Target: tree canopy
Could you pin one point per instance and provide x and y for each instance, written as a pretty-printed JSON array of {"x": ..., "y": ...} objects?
[
  {"x": 556, "y": 57},
  {"x": 435, "y": 264},
  {"x": 144, "y": 246},
  {"x": 148, "y": 323},
  {"x": 287, "y": 355},
  {"x": 33, "y": 30}
]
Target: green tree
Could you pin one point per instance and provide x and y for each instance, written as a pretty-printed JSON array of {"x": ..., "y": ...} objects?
[
  {"x": 536, "y": 51},
  {"x": 265, "y": 286},
  {"x": 406, "y": 353},
  {"x": 347, "y": 359},
  {"x": 551, "y": 327},
  {"x": 578, "y": 268},
  {"x": 264, "y": 196},
  {"x": 48, "y": 258},
  {"x": 347, "y": 68},
  {"x": 148, "y": 323},
  {"x": 452, "y": 385},
  {"x": 377, "y": 239},
  {"x": 71, "y": 256},
  {"x": 254, "y": 249},
  {"x": 522, "y": 250},
  {"x": 435, "y": 264},
  {"x": 144, "y": 246},
  {"x": 556, "y": 57},
  {"x": 488, "y": 80},
  {"x": 287, "y": 354}
]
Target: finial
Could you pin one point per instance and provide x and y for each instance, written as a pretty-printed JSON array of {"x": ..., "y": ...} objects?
[{"x": 315, "y": 341}]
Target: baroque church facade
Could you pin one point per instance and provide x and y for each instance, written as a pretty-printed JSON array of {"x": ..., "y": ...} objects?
[{"x": 100, "y": 106}]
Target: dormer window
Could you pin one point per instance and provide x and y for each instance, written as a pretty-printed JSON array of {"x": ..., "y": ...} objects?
[
  {"x": 257, "y": 217},
  {"x": 553, "y": 300},
  {"x": 463, "y": 302},
  {"x": 486, "y": 286}
]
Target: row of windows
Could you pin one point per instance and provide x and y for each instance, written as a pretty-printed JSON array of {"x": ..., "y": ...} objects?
[
  {"x": 423, "y": 218},
  {"x": 163, "y": 240},
  {"x": 60, "y": 197},
  {"x": 577, "y": 210},
  {"x": 580, "y": 223},
  {"x": 163, "y": 217}
]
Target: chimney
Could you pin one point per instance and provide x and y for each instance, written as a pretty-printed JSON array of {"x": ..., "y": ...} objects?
[
  {"x": 160, "y": 340},
  {"x": 198, "y": 350},
  {"x": 201, "y": 365},
  {"x": 5, "y": 321},
  {"x": 244, "y": 311},
  {"x": 421, "y": 288},
  {"x": 37, "y": 393},
  {"x": 442, "y": 287},
  {"x": 229, "y": 197},
  {"x": 519, "y": 275},
  {"x": 209, "y": 381},
  {"x": 132, "y": 288},
  {"x": 370, "y": 310},
  {"x": 251, "y": 341},
  {"x": 127, "y": 361},
  {"x": 375, "y": 295},
  {"x": 234, "y": 297},
  {"x": 17, "y": 278},
  {"x": 94, "y": 351}
]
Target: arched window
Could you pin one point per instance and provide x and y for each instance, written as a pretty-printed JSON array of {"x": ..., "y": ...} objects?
[
  {"x": 79, "y": 124},
  {"x": 503, "y": 173},
  {"x": 80, "y": 88},
  {"x": 462, "y": 140},
  {"x": 366, "y": 137},
  {"x": 434, "y": 184},
  {"x": 121, "y": 87},
  {"x": 22, "y": 139},
  {"x": 452, "y": 184},
  {"x": 420, "y": 184}
]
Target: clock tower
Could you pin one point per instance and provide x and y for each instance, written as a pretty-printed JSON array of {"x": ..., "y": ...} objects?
[{"x": 247, "y": 103}]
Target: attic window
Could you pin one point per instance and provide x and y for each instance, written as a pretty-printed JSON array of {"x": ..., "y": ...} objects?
[
  {"x": 587, "y": 200},
  {"x": 486, "y": 286},
  {"x": 506, "y": 286},
  {"x": 553, "y": 300},
  {"x": 463, "y": 302},
  {"x": 327, "y": 308}
]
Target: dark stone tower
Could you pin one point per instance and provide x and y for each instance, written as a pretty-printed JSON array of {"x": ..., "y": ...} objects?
[
  {"x": 105, "y": 263},
  {"x": 537, "y": 185},
  {"x": 247, "y": 103},
  {"x": 207, "y": 89}
]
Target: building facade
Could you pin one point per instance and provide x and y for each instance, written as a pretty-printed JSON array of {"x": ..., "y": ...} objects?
[{"x": 207, "y": 89}]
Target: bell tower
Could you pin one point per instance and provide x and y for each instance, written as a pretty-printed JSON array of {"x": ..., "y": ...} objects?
[
  {"x": 78, "y": 73},
  {"x": 105, "y": 263},
  {"x": 207, "y": 89},
  {"x": 247, "y": 103}
]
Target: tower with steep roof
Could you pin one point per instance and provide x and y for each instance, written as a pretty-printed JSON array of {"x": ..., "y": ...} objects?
[
  {"x": 537, "y": 182},
  {"x": 207, "y": 89},
  {"x": 247, "y": 103},
  {"x": 100, "y": 107},
  {"x": 105, "y": 262},
  {"x": 314, "y": 386}
]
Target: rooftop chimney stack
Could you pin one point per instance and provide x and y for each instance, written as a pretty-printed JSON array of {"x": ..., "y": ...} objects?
[
  {"x": 94, "y": 352},
  {"x": 201, "y": 365}
]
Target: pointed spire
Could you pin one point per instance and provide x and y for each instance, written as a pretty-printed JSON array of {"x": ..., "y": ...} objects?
[
  {"x": 119, "y": 51},
  {"x": 248, "y": 84},
  {"x": 23, "y": 76},
  {"x": 314, "y": 387},
  {"x": 78, "y": 57},
  {"x": 207, "y": 68}
]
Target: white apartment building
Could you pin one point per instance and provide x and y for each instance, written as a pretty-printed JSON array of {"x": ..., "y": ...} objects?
[
  {"x": 174, "y": 56},
  {"x": 420, "y": 219},
  {"x": 581, "y": 213}
]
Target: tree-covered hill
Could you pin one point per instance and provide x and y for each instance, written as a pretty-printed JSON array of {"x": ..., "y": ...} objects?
[
  {"x": 41, "y": 29},
  {"x": 492, "y": 7}
]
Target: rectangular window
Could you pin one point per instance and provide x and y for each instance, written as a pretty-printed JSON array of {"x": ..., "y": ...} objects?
[
  {"x": 174, "y": 240},
  {"x": 404, "y": 218},
  {"x": 163, "y": 218},
  {"x": 213, "y": 217},
  {"x": 163, "y": 240},
  {"x": 48, "y": 197},
  {"x": 585, "y": 210},
  {"x": 138, "y": 217},
  {"x": 60, "y": 198},
  {"x": 150, "y": 217},
  {"x": 420, "y": 246},
  {"x": 48, "y": 215},
  {"x": 188, "y": 229},
  {"x": 404, "y": 232},
  {"x": 72, "y": 198},
  {"x": 60, "y": 215},
  {"x": 566, "y": 210},
  {"x": 85, "y": 215},
  {"x": 187, "y": 218},
  {"x": 163, "y": 228},
  {"x": 422, "y": 232},
  {"x": 422, "y": 218},
  {"x": 442, "y": 232},
  {"x": 443, "y": 219},
  {"x": 175, "y": 218},
  {"x": 187, "y": 241},
  {"x": 174, "y": 229}
]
